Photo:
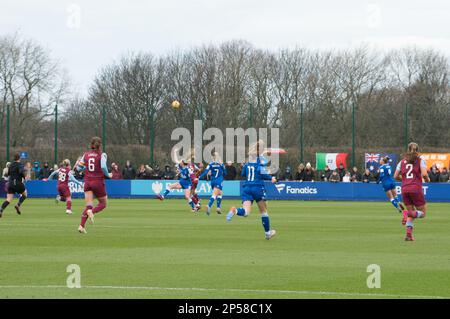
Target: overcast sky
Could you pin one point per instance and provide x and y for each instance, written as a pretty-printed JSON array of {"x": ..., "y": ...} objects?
[{"x": 88, "y": 34}]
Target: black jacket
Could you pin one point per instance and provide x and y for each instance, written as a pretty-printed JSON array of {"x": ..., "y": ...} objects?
[
  {"x": 129, "y": 172},
  {"x": 16, "y": 173}
]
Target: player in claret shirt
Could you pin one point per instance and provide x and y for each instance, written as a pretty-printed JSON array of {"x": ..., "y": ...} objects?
[
  {"x": 65, "y": 176},
  {"x": 411, "y": 170},
  {"x": 94, "y": 165}
]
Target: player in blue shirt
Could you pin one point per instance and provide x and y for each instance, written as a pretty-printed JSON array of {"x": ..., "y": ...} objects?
[
  {"x": 217, "y": 172},
  {"x": 253, "y": 189},
  {"x": 184, "y": 183},
  {"x": 388, "y": 183}
]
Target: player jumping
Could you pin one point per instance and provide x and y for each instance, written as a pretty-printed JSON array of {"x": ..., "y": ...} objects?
[
  {"x": 194, "y": 171},
  {"x": 16, "y": 174},
  {"x": 388, "y": 184},
  {"x": 94, "y": 164},
  {"x": 218, "y": 171},
  {"x": 65, "y": 176},
  {"x": 253, "y": 189},
  {"x": 412, "y": 169},
  {"x": 183, "y": 183}
]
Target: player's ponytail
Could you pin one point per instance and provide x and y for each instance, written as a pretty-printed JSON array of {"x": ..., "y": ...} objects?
[
  {"x": 66, "y": 163},
  {"x": 256, "y": 149},
  {"x": 96, "y": 143},
  {"x": 413, "y": 153},
  {"x": 216, "y": 157}
]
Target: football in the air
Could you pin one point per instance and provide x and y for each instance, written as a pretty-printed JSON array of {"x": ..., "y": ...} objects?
[{"x": 175, "y": 104}]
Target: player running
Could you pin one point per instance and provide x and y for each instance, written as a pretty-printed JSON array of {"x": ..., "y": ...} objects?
[
  {"x": 94, "y": 164},
  {"x": 16, "y": 175},
  {"x": 218, "y": 171},
  {"x": 194, "y": 171},
  {"x": 184, "y": 183},
  {"x": 388, "y": 183},
  {"x": 253, "y": 189},
  {"x": 65, "y": 176},
  {"x": 412, "y": 169}
]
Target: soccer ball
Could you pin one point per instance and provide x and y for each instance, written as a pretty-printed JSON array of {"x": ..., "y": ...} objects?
[{"x": 175, "y": 104}]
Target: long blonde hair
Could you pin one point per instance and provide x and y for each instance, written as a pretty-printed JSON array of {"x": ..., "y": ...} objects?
[
  {"x": 66, "y": 162},
  {"x": 216, "y": 157},
  {"x": 255, "y": 150},
  {"x": 413, "y": 152}
]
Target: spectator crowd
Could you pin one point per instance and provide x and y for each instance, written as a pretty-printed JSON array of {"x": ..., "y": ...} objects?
[{"x": 303, "y": 173}]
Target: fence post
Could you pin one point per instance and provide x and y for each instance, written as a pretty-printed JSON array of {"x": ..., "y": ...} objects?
[
  {"x": 152, "y": 136},
  {"x": 301, "y": 133},
  {"x": 8, "y": 115},
  {"x": 250, "y": 117},
  {"x": 56, "y": 134},
  {"x": 353, "y": 134},
  {"x": 406, "y": 128},
  {"x": 104, "y": 127}
]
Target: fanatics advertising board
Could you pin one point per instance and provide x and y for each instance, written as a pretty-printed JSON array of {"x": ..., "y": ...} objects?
[{"x": 289, "y": 190}]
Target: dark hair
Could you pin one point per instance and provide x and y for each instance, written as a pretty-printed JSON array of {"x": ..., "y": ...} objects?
[
  {"x": 386, "y": 159},
  {"x": 413, "y": 153},
  {"x": 96, "y": 143},
  {"x": 16, "y": 157}
]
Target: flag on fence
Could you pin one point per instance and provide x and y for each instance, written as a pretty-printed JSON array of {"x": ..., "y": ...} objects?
[
  {"x": 372, "y": 160},
  {"x": 333, "y": 160}
]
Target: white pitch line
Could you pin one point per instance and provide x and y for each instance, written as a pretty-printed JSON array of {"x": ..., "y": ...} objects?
[{"x": 299, "y": 292}]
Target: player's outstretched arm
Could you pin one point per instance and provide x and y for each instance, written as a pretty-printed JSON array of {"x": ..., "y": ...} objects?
[
  {"x": 424, "y": 172},
  {"x": 398, "y": 173},
  {"x": 104, "y": 166},
  {"x": 52, "y": 175},
  {"x": 73, "y": 179}
]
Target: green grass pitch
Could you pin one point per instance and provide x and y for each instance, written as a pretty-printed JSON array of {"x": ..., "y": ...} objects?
[{"x": 151, "y": 249}]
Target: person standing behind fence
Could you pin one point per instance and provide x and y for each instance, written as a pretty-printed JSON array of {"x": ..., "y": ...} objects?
[
  {"x": 300, "y": 175},
  {"x": 128, "y": 172},
  {"x": 309, "y": 173},
  {"x": 367, "y": 176},
  {"x": 335, "y": 178},
  {"x": 444, "y": 177},
  {"x": 5, "y": 171},
  {"x": 326, "y": 174},
  {"x": 115, "y": 171},
  {"x": 231, "y": 171}
]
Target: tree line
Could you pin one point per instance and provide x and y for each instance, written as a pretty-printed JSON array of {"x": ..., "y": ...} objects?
[{"x": 233, "y": 84}]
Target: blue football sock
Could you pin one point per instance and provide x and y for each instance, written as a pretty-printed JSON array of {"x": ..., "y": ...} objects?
[
  {"x": 266, "y": 222},
  {"x": 394, "y": 202},
  {"x": 211, "y": 201},
  {"x": 219, "y": 201},
  {"x": 241, "y": 212},
  {"x": 191, "y": 202},
  {"x": 167, "y": 191}
]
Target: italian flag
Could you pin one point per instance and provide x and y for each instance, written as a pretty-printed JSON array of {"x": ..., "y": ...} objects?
[{"x": 333, "y": 160}]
